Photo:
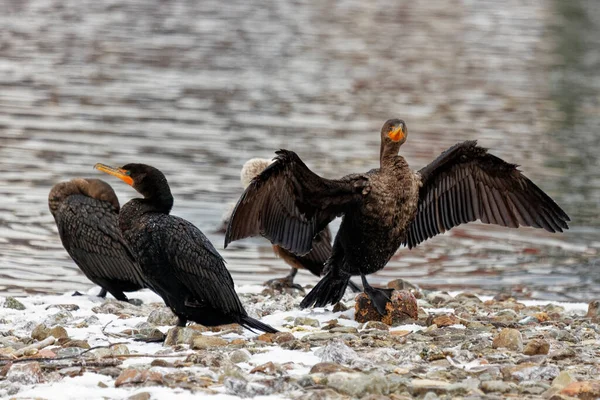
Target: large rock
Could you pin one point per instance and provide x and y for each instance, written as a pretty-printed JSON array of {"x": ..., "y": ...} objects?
[
  {"x": 162, "y": 316},
  {"x": 183, "y": 335},
  {"x": 202, "y": 342},
  {"x": 403, "y": 306},
  {"x": 358, "y": 385},
  {"x": 536, "y": 346},
  {"x": 583, "y": 390}
]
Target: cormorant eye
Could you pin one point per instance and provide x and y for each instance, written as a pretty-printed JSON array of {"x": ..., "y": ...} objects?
[{"x": 128, "y": 173}]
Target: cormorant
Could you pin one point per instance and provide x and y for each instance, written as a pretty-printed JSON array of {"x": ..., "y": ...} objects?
[
  {"x": 314, "y": 260},
  {"x": 179, "y": 263},
  {"x": 386, "y": 207},
  {"x": 86, "y": 212}
]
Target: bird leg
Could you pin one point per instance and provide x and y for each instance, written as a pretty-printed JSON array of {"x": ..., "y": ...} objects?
[
  {"x": 181, "y": 321},
  {"x": 285, "y": 282},
  {"x": 76, "y": 293},
  {"x": 379, "y": 297},
  {"x": 354, "y": 287},
  {"x": 102, "y": 293}
]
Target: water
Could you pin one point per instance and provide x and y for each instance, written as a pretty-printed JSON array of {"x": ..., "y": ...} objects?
[{"x": 196, "y": 88}]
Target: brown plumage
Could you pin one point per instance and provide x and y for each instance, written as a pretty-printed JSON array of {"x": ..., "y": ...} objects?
[
  {"x": 86, "y": 212},
  {"x": 386, "y": 207}
]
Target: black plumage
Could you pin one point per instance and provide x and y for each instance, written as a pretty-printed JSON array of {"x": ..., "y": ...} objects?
[
  {"x": 179, "y": 263},
  {"x": 385, "y": 207},
  {"x": 314, "y": 260},
  {"x": 86, "y": 214}
]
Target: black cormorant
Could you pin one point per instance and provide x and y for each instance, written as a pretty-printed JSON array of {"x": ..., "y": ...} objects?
[
  {"x": 86, "y": 212},
  {"x": 179, "y": 263}
]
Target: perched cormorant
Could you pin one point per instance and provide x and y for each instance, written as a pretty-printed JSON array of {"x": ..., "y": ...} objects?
[
  {"x": 179, "y": 263},
  {"x": 86, "y": 212},
  {"x": 386, "y": 207},
  {"x": 314, "y": 260}
]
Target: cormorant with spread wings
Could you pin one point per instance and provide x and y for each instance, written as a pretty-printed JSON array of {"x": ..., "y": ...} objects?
[{"x": 386, "y": 207}]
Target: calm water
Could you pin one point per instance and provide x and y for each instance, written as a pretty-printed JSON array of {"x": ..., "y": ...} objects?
[{"x": 196, "y": 88}]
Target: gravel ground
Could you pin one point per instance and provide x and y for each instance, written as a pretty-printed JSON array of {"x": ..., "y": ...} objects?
[{"x": 461, "y": 345}]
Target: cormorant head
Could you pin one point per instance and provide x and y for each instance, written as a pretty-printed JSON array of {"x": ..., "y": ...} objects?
[
  {"x": 252, "y": 168},
  {"x": 147, "y": 180},
  {"x": 394, "y": 130},
  {"x": 94, "y": 188}
]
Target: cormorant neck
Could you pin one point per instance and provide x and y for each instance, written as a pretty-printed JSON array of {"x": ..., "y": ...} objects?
[
  {"x": 388, "y": 152},
  {"x": 161, "y": 202}
]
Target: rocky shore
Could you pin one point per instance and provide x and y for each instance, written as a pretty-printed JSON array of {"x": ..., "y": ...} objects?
[{"x": 459, "y": 345}]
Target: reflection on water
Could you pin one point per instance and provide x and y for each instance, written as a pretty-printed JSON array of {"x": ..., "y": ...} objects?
[{"x": 197, "y": 88}]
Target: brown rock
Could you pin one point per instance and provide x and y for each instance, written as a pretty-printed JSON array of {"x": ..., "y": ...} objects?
[
  {"x": 510, "y": 339},
  {"x": 66, "y": 307},
  {"x": 586, "y": 390},
  {"x": 40, "y": 332},
  {"x": 339, "y": 307},
  {"x": 77, "y": 343},
  {"x": 594, "y": 310},
  {"x": 536, "y": 346},
  {"x": 266, "y": 337},
  {"x": 236, "y": 328},
  {"x": 238, "y": 342},
  {"x": 58, "y": 332},
  {"x": 268, "y": 368},
  {"x": 380, "y": 326},
  {"x": 282, "y": 337},
  {"x": 403, "y": 306},
  {"x": 328, "y": 368},
  {"x": 206, "y": 342},
  {"x": 445, "y": 320},
  {"x": 132, "y": 376}
]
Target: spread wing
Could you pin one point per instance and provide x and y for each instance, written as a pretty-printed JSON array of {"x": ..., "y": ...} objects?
[
  {"x": 89, "y": 231},
  {"x": 466, "y": 183},
  {"x": 289, "y": 204},
  {"x": 315, "y": 259},
  {"x": 196, "y": 263}
]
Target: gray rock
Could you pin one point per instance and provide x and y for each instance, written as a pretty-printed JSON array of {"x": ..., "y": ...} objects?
[
  {"x": 13, "y": 303},
  {"x": 239, "y": 356},
  {"x": 338, "y": 352},
  {"x": 497, "y": 386},
  {"x": 358, "y": 385},
  {"x": 26, "y": 373},
  {"x": 419, "y": 387},
  {"x": 306, "y": 321},
  {"x": 60, "y": 318},
  {"x": 536, "y": 373},
  {"x": 438, "y": 298},
  {"x": 66, "y": 307},
  {"x": 162, "y": 317},
  {"x": 40, "y": 332}
]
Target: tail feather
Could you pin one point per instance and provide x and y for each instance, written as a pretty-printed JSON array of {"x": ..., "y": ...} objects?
[
  {"x": 329, "y": 290},
  {"x": 251, "y": 323}
]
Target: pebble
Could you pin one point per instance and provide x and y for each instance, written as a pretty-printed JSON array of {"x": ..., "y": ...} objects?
[
  {"x": 328, "y": 368},
  {"x": 25, "y": 373},
  {"x": 358, "y": 385},
  {"x": 420, "y": 387},
  {"x": 536, "y": 346},
  {"x": 497, "y": 386},
  {"x": 206, "y": 342},
  {"x": 58, "y": 332},
  {"x": 13, "y": 303},
  {"x": 306, "y": 321},
  {"x": 162, "y": 316},
  {"x": 132, "y": 376},
  {"x": 239, "y": 356},
  {"x": 510, "y": 339}
]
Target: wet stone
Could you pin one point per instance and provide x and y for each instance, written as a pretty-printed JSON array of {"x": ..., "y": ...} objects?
[{"x": 13, "y": 303}]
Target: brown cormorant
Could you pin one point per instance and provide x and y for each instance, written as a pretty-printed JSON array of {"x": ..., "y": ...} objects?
[
  {"x": 386, "y": 207},
  {"x": 179, "y": 263},
  {"x": 314, "y": 260},
  {"x": 86, "y": 212}
]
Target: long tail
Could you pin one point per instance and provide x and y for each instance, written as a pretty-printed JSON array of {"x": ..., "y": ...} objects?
[
  {"x": 329, "y": 290},
  {"x": 251, "y": 323}
]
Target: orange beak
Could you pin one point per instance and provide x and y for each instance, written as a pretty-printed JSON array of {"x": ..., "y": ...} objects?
[
  {"x": 397, "y": 134},
  {"x": 122, "y": 174}
]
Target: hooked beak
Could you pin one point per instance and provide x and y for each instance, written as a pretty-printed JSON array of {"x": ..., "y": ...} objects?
[
  {"x": 397, "y": 134},
  {"x": 120, "y": 173}
]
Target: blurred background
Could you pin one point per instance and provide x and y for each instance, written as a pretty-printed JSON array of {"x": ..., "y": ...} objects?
[{"x": 196, "y": 88}]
